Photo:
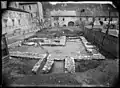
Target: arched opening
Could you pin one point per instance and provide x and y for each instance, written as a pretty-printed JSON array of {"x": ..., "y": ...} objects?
[{"x": 71, "y": 23}]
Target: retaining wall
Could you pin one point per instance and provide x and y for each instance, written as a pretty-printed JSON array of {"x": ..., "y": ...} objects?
[{"x": 110, "y": 43}]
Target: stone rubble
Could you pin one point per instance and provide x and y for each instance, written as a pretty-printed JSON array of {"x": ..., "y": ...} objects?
[
  {"x": 37, "y": 65},
  {"x": 29, "y": 43},
  {"x": 63, "y": 40},
  {"x": 18, "y": 43},
  {"x": 27, "y": 55},
  {"x": 90, "y": 48},
  {"x": 70, "y": 64},
  {"x": 60, "y": 41},
  {"x": 48, "y": 64}
]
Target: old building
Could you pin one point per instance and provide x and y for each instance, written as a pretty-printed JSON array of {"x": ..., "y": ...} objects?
[
  {"x": 4, "y": 4},
  {"x": 63, "y": 18},
  {"x": 15, "y": 19},
  {"x": 21, "y": 16},
  {"x": 35, "y": 8},
  {"x": 83, "y": 12}
]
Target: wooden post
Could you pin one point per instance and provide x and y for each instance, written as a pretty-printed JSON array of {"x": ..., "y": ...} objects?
[{"x": 107, "y": 29}]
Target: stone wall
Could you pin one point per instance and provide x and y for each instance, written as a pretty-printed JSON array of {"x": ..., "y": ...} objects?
[
  {"x": 110, "y": 43},
  {"x": 35, "y": 9},
  {"x": 3, "y": 4},
  {"x": 12, "y": 20},
  {"x": 17, "y": 19},
  {"x": 62, "y": 22},
  {"x": 40, "y": 8}
]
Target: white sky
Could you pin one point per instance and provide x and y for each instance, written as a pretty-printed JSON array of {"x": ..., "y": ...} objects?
[{"x": 95, "y": 2}]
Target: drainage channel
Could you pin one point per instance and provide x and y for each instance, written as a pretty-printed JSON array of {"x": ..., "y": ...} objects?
[{"x": 58, "y": 67}]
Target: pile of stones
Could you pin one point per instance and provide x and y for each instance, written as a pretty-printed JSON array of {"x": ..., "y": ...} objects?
[
  {"x": 37, "y": 65},
  {"x": 69, "y": 64},
  {"x": 48, "y": 65},
  {"x": 27, "y": 55},
  {"x": 92, "y": 49},
  {"x": 13, "y": 45}
]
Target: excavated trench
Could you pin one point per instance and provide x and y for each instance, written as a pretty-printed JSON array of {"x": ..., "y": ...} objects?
[
  {"x": 71, "y": 48},
  {"x": 59, "y": 65}
]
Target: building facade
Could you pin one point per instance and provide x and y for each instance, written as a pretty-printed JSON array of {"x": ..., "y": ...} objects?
[
  {"x": 21, "y": 16},
  {"x": 63, "y": 17},
  {"x": 36, "y": 10},
  {"x": 13, "y": 20},
  {"x": 83, "y": 13}
]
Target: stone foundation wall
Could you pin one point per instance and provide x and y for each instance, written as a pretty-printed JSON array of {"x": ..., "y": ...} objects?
[{"x": 110, "y": 43}]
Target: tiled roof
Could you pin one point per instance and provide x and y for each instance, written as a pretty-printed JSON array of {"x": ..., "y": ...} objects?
[
  {"x": 14, "y": 9},
  {"x": 100, "y": 9},
  {"x": 63, "y": 13}
]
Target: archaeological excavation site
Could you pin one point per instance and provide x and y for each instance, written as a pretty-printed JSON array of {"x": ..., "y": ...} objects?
[{"x": 56, "y": 45}]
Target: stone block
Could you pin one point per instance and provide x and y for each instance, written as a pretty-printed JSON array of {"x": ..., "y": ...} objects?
[
  {"x": 70, "y": 64},
  {"x": 27, "y": 55}
]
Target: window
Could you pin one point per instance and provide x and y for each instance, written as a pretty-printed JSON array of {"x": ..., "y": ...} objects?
[
  {"x": 63, "y": 19},
  {"x": 56, "y": 18},
  {"x": 23, "y": 8},
  {"x": 29, "y": 7},
  {"x": 15, "y": 4},
  {"x": 5, "y": 21},
  {"x": 19, "y": 21},
  {"x": 20, "y": 15},
  {"x": 80, "y": 19},
  {"x": 105, "y": 19},
  {"x": 98, "y": 18},
  {"x": 31, "y": 15},
  {"x": 111, "y": 19},
  {"x": 13, "y": 21}
]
